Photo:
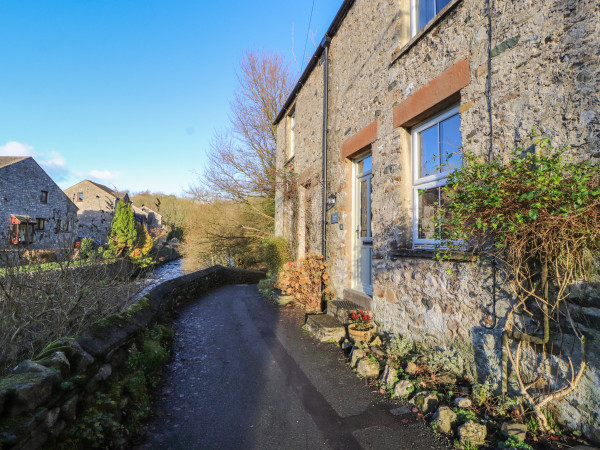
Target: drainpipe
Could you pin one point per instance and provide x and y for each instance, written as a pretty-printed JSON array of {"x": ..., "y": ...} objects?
[{"x": 325, "y": 45}]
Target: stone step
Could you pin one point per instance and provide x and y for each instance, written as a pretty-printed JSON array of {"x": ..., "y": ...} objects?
[
  {"x": 340, "y": 310},
  {"x": 325, "y": 327}
]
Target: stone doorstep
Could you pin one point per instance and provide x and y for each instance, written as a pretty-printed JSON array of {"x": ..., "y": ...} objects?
[
  {"x": 340, "y": 310},
  {"x": 325, "y": 327}
]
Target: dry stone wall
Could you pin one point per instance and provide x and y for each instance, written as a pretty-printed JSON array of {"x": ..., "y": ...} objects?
[{"x": 42, "y": 397}]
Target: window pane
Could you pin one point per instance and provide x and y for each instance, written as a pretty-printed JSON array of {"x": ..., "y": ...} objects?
[
  {"x": 363, "y": 209},
  {"x": 428, "y": 151},
  {"x": 365, "y": 166},
  {"x": 443, "y": 202},
  {"x": 429, "y": 199},
  {"x": 450, "y": 143},
  {"x": 426, "y": 11},
  {"x": 441, "y": 4}
]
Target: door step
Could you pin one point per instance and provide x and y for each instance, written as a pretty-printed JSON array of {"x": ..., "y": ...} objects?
[{"x": 325, "y": 327}]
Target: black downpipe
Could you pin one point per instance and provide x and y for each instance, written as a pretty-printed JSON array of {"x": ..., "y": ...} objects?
[{"x": 325, "y": 44}]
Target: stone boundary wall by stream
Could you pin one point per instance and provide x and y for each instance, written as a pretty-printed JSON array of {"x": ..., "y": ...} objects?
[{"x": 42, "y": 397}]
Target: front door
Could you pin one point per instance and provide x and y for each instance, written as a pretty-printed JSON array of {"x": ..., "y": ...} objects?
[{"x": 363, "y": 248}]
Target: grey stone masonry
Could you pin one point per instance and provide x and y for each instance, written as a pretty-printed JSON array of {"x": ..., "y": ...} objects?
[
  {"x": 27, "y": 191},
  {"x": 97, "y": 204},
  {"x": 501, "y": 68}
]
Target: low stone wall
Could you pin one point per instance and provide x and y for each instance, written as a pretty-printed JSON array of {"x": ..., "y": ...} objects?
[{"x": 41, "y": 398}]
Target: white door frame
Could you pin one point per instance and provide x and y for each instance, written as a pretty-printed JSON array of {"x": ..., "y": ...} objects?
[{"x": 362, "y": 246}]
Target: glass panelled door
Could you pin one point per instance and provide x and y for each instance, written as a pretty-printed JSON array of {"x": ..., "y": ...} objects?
[{"x": 363, "y": 253}]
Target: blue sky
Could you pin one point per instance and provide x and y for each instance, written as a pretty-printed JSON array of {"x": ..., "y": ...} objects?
[{"x": 128, "y": 93}]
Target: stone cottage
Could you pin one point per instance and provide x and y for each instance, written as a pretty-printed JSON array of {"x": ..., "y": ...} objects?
[
  {"x": 97, "y": 204},
  {"x": 392, "y": 92},
  {"x": 150, "y": 219},
  {"x": 35, "y": 214}
]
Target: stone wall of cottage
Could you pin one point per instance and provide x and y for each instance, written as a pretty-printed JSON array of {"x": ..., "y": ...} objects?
[
  {"x": 96, "y": 210},
  {"x": 21, "y": 186},
  {"x": 531, "y": 64},
  {"x": 301, "y": 224}
]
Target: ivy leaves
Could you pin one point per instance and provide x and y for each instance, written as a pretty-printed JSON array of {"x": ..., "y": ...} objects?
[{"x": 535, "y": 187}]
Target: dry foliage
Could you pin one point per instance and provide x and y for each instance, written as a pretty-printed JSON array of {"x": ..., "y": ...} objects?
[
  {"x": 306, "y": 280},
  {"x": 38, "y": 305},
  {"x": 173, "y": 209},
  {"x": 219, "y": 232}
]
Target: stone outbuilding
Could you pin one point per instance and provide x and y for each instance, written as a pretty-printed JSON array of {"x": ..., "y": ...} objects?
[
  {"x": 146, "y": 217},
  {"x": 392, "y": 93},
  {"x": 97, "y": 205},
  {"x": 35, "y": 214}
]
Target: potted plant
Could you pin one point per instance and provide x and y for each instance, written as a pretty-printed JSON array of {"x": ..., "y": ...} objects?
[{"x": 361, "y": 326}]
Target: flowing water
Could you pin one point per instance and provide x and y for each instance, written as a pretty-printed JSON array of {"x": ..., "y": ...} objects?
[{"x": 164, "y": 272}]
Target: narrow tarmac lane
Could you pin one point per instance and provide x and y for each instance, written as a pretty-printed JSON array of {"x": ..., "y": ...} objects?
[{"x": 246, "y": 376}]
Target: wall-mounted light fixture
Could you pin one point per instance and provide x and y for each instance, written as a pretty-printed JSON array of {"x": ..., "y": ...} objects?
[{"x": 331, "y": 201}]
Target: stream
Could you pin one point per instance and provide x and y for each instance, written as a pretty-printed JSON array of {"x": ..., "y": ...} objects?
[{"x": 164, "y": 272}]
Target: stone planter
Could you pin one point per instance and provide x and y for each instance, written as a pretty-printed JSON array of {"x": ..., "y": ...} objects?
[{"x": 359, "y": 335}]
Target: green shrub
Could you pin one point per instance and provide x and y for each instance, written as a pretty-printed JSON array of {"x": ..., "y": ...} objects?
[
  {"x": 514, "y": 442},
  {"x": 400, "y": 347},
  {"x": 175, "y": 232},
  {"x": 276, "y": 253},
  {"x": 87, "y": 249},
  {"x": 109, "y": 254}
]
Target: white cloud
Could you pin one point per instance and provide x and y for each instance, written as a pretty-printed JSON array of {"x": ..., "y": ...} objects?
[
  {"x": 105, "y": 175},
  {"x": 52, "y": 162},
  {"x": 13, "y": 148},
  {"x": 55, "y": 164}
]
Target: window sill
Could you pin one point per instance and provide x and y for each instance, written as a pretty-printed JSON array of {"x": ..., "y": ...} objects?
[
  {"x": 430, "y": 253},
  {"x": 398, "y": 53}
]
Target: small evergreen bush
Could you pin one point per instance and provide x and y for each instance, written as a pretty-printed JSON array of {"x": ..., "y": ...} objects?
[
  {"x": 276, "y": 253},
  {"x": 87, "y": 249}
]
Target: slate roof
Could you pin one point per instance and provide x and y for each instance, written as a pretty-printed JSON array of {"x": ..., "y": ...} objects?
[
  {"x": 98, "y": 185},
  {"x": 104, "y": 188},
  {"x": 8, "y": 160}
]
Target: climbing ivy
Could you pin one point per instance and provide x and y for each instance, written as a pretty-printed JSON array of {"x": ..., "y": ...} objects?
[{"x": 538, "y": 215}]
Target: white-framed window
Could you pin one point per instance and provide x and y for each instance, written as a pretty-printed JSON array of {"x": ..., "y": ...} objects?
[
  {"x": 422, "y": 11},
  {"x": 292, "y": 134},
  {"x": 435, "y": 153}
]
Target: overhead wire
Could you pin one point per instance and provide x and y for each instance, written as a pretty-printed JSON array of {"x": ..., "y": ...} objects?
[{"x": 307, "y": 32}]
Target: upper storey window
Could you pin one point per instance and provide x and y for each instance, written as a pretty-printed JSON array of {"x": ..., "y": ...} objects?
[{"x": 422, "y": 11}]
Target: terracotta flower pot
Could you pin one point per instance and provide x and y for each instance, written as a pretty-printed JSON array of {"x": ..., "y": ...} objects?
[{"x": 359, "y": 335}]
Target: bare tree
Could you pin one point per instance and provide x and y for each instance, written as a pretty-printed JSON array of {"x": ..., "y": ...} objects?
[
  {"x": 242, "y": 158},
  {"x": 235, "y": 197}
]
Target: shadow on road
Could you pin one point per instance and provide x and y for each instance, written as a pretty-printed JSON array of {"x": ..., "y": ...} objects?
[{"x": 245, "y": 376}]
